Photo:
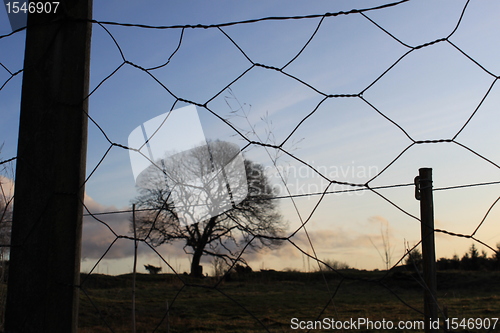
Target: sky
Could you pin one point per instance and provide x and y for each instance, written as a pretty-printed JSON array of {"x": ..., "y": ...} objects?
[{"x": 429, "y": 93}]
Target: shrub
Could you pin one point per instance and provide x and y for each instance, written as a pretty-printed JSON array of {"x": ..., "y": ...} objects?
[{"x": 152, "y": 269}]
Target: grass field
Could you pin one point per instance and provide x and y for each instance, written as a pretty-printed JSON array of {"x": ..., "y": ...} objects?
[{"x": 269, "y": 300}]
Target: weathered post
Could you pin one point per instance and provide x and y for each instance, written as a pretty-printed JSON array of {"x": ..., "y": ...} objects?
[
  {"x": 423, "y": 191},
  {"x": 47, "y": 223},
  {"x": 134, "y": 272}
]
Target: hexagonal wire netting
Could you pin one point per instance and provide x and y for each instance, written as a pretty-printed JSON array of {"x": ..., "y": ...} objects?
[{"x": 381, "y": 98}]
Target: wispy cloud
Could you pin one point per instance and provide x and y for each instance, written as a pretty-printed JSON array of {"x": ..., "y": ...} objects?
[{"x": 100, "y": 231}]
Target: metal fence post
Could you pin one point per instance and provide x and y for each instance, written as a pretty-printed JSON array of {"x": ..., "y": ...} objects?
[
  {"x": 423, "y": 183},
  {"x": 47, "y": 223}
]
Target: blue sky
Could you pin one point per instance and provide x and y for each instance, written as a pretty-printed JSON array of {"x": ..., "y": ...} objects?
[{"x": 430, "y": 94}]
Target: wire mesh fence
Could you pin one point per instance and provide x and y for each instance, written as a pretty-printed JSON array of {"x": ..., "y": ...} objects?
[{"x": 336, "y": 135}]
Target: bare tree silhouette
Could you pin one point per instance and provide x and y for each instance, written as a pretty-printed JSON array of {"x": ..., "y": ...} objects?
[
  {"x": 225, "y": 208},
  {"x": 6, "y": 204}
]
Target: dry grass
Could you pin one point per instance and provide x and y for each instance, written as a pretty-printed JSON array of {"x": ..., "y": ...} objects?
[{"x": 271, "y": 299}]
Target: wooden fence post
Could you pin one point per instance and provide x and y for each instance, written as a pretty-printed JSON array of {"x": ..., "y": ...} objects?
[
  {"x": 47, "y": 223},
  {"x": 423, "y": 183},
  {"x": 134, "y": 272}
]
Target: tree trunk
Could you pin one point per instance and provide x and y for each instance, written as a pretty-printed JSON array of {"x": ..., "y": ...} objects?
[
  {"x": 196, "y": 268},
  {"x": 199, "y": 246}
]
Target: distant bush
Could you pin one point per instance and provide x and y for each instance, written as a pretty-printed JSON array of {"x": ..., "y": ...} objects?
[
  {"x": 331, "y": 264},
  {"x": 238, "y": 272},
  {"x": 152, "y": 269},
  {"x": 413, "y": 260},
  {"x": 444, "y": 264},
  {"x": 241, "y": 269},
  {"x": 470, "y": 261}
]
